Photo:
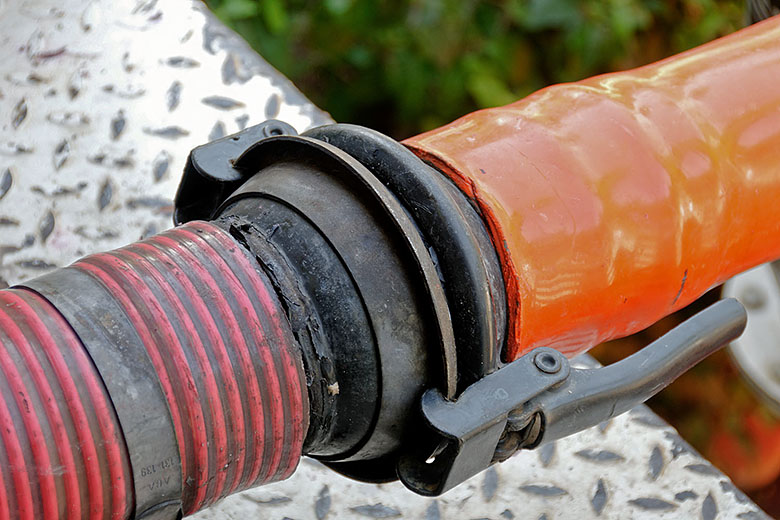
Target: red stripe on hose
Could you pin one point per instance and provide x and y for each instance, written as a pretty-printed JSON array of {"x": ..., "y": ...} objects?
[
  {"x": 291, "y": 370},
  {"x": 223, "y": 353},
  {"x": 19, "y": 470},
  {"x": 146, "y": 338},
  {"x": 60, "y": 435},
  {"x": 5, "y": 506},
  {"x": 263, "y": 409},
  {"x": 108, "y": 438},
  {"x": 22, "y": 396},
  {"x": 100, "y": 265},
  {"x": 157, "y": 247},
  {"x": 271, "y": 378},
  {"x": 213, "y": 401},
  {"x": 111, "y": 439},
  {"x": 234, "y": 330},
  {"x": 84, "y": 453},
  {"x": 225, "y": 358},
  {"x": 234, "y": 265}
]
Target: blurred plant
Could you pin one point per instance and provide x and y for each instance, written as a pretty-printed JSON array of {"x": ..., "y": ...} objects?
[{"x": 410, "y": 65}]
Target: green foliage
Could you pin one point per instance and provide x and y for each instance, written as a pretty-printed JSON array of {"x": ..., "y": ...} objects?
[{"x": 409, "y": 65}]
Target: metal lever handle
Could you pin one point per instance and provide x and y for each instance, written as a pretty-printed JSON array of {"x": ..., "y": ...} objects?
[
  {"x": 590, "y": 396},
  {"x": 539, "y": 398}
]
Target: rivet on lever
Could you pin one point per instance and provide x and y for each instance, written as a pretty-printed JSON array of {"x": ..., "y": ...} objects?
[{"x": 548, "y": 362}]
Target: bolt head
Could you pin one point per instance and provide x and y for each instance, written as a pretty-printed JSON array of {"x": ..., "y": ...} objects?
[{"x": 548, "y": 362}]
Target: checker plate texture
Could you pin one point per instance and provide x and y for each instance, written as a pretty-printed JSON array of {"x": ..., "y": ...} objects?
[{"x": 100, "y": 103}]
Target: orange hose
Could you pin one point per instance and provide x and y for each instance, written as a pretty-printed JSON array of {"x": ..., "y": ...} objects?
[{"x": 619, "y": 199}]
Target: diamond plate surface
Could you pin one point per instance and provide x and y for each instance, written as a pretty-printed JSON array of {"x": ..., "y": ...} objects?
[{"x": 100, "y": 102}]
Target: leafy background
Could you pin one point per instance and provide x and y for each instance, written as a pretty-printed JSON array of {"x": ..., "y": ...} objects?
[
  {"x": 403, "y": 67},
  {"x": 407, "y": 66}
]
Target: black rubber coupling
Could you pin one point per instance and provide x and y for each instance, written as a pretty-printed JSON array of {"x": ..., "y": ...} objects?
[{"x": 385, "y": 269}]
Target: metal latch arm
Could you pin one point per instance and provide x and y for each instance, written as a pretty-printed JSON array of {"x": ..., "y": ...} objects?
[
  {"x": 590, "y": 396},
  {"x": 539, "y": 398}
]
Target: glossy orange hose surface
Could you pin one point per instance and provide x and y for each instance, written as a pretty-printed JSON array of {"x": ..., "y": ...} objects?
[{"x": 619, "y": 199}]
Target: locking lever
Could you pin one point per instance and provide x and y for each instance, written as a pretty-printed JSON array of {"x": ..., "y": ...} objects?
[{"x": 540, "y": 398}]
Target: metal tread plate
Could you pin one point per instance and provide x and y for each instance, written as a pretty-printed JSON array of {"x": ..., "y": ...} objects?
[{"x": 100, "y": 103}]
